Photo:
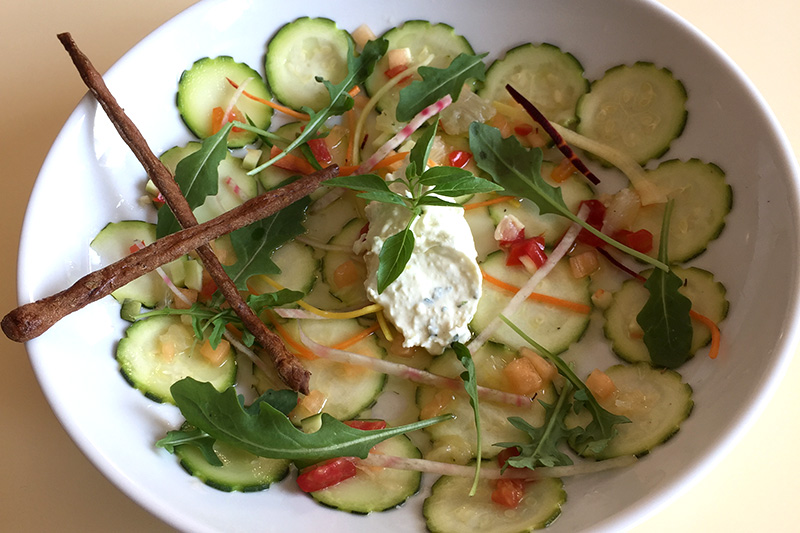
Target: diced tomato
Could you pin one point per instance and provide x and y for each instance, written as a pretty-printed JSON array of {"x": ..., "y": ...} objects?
[
  {"x": 597, "y": 212},
  {"x": 523, "y": 129},
  {"x": 641, "y": 240},
  {"x": 508, "y": 492},
  {"x": 532, "y": 248},
  {"x": 366, "y": 425},
  {"x": 320, "y": 150},
  {"x": 326, "y": 474},
  {"x": 506, "y": 454},
  {"x": 364, "y": 230},
  {"x": 394, "y": 71},
  {"x": 208, "y": 289},
  {"x": 459, "y": 158}
]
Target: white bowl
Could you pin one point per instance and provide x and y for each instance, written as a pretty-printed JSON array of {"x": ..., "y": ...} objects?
[{"x": 90, "y": 178}]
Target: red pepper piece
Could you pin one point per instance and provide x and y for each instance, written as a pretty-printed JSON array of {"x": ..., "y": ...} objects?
[
  {"x": 641, "y": 240},
  {"x": 597, "y": 212},
  {"x": 326, "y": 474},
  {"x": 532, "y": 248},
  {"x": 459, "y": 158}
]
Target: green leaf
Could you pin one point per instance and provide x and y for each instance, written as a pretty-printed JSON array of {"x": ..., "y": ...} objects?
[
  {"x": 600, "y": 430},
  {"x": 394, "y": 256},
  {"x": 471, "y": 386},
  {"x": 454, "y": 182},
  {"x": 255, "y": 244},
  {"x": 272, "y": 299},
  {"x": 197, "y": 177},
  {"x": 542, "y": 450},
  {"x": 665, "y": 317},
  {"x": 264, "y": 431},
  {"x": 373, "y": 187},
  {"x": 420, "y": 152},
  {"x": 435, "y": 200},
  {"x": 191, "y": 437},
  {"x": 438, "y": 82},
  {"x": 283, "y": 400}
]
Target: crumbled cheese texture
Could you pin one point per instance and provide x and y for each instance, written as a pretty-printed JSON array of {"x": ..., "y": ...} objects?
[{"x": 436, "y": 296}]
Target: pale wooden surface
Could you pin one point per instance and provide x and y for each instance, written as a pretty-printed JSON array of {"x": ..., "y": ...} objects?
[{"x": 46, "y": 484}]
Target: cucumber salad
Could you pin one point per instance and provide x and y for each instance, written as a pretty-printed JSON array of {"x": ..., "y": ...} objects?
[{"x": 456, "y": 292}]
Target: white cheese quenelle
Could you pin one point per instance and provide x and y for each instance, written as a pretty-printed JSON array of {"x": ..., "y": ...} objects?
[{"x": 432, "y": 302}]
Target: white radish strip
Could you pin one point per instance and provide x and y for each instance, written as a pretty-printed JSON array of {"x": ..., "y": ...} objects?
[
  {"x": 297, "y": 313},
  {"x": 247, "y": 351},
  {"x": 558, "y": 253},
  {"x": 235, "y": 98},
  {"x": 326, "y": 199},
  {"x": 235, "y": 189},
  {"x": 168, "y": 282},
  {"x": 410, "y": 373},
  {"x": 494, "y": 472},
  {"x": 648, "y": 192},
  {"x": 380, "y": 93},
  {"x": 405, "y": 133}
]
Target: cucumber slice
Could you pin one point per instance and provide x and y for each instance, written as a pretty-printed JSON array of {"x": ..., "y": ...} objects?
[
  {"x": 423, "y": 39},
  {"x": 353, "y": 293},
  {"x": 449, "y": 509},
  {"x": 702, "y": 201},
  {"x": 621, "y": 328},
  {"x": 551, "y": 79},
  {"x": 299, "y": 269},
  {"x": 142, "y": 361},
  {"x": 554, "y": 328},
  {"x": 455, "y": 440},
  {"x": 205, "y": 86},
  {"x": 235, "y": 186},
  {"x": 241, "y": 471},
  {"x": 637, "y": 109},
  {"x": 349, "y": 389},
  {"x": 482, "y": 226},
  {"x": 301, "y": 51},
  {"x": 552, "y": 226},
  {"x": 656, "y": 401},
  {"x": 375, "y": 490},
  {"x": 114, "y": 242}
]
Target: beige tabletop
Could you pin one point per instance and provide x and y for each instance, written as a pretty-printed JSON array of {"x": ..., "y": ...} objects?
[{"x": 46, "y": 484}]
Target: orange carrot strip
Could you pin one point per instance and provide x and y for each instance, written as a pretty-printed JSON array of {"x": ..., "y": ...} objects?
[
  {"x": 292, "y": 162},
  {"x": 354, "y": 91},
  {"x": 543, "y": 298},
  {"x": 350, "y": 116},
  {"x": 385, "y": 162},
  {"x": 488, "y": 202},
  {"x": 715, "y": 334},
  {"x": 301, "y": 351},
  {"x": 357, "y": 337},
  {"x": 273, "y": 105}
]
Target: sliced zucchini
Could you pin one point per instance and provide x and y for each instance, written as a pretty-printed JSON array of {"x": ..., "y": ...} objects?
[
  {"x": 455, "y": 440},
  {"x": 205, "y": 86},
  {"x": 334, "y": 262},
  {"x": 450, "y": 509},
  {"x": 621, "y": 328},
  {"x": 574, "y": 190},
  {"x": 375, "y": 489},
  {"x": 348, "y": 389},
  {"x": 241, "y": 471},
  {"x": 656, "y": 401},
  {"x": 553, "y": 327},
  {"x": 158, "y": 351},
  {"x": 551, "y": 79},
  {"x": 702, "y": 201},
  {"x": 114, "y": 242},
  {"x": 638, "y": 109},
  {"x": 300, "y": 52}
]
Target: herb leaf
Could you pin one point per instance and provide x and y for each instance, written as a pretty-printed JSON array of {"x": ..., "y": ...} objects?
[
  {"x": 255, "y": 244},
  {"x": 665, "y": 316},
  {"x": 438, "y": 82},
  {"x": 263, "y": 430},
  {"x": 373, "y": 187},
  {"x": 191, "y": 437},
  {"x": 394, "y": 256},
  {"x": 197, "y": 176},
  {"x": 454, "y": 182},
  {"x": 471, "y": 386}
]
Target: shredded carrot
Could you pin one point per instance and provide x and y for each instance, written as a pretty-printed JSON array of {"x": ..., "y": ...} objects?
[
  {"x": 357, "y": 337},
  {"x": 354, "y": 91},
  {"x": 715, "y": 334},
  {"x": 300, "y": 350},
  {"x": 292, "y": 162},
  {"x": 497, "y": 200},
  {"x": 277, "y": 107},
  {"x": 385, "y": 162},
  {"x": 543, "y": 298}
]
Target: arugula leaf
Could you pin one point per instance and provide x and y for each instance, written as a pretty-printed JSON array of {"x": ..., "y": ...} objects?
[
  {"x": 197, "y": 177},
  {"x": 518, "y": 170},
  {"x": 543, "y": 448},
  {"x": 471, "y": 386},
  {"x": 437, "y": 83},
  {"x": 259, "y": 302},
  {"x": 358, "y": 70},
  {"x": 394, "y": 256},
  {"x": 665, "y": 316},
  {"x": 255, "y": 244},
  {"x": 263, "y": 430},
  {"x": 193, "y": 437},
  {"x": 600, "y": 430}
]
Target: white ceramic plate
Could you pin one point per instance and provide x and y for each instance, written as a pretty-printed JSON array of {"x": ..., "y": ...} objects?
[{"x": 90, "y": 178}]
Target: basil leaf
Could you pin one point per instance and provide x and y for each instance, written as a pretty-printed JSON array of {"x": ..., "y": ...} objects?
[
  {"x": 665, "y": 317},
  {"x": 394, "y": 256},
  {"x": 435, "y": 200},
  {"x": 263, "y": 430},
  {"x": 362, "y": 182},
  {"x": 437, "y": 83},
  {"x": 420, "y": 152},
  {"x": 197, "y": 176},
  {"x": 455, "y": 182}
]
